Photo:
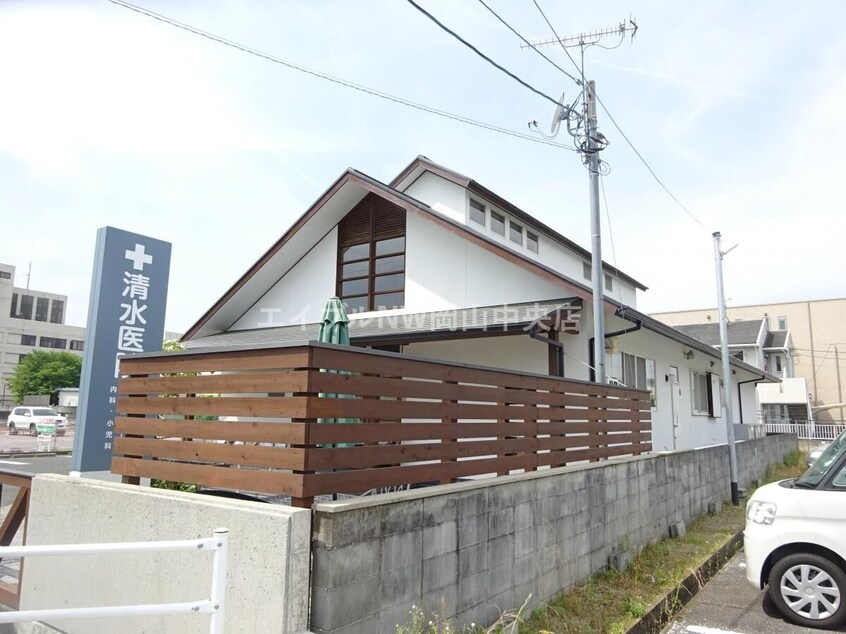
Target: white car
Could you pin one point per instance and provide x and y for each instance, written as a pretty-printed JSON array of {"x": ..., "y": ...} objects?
[
  {"x": 36, "y": 420},
  {"x": 795, "y": 541}
]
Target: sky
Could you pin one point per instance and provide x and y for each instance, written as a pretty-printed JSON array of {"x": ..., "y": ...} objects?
[{"x": 109, "y": 117}]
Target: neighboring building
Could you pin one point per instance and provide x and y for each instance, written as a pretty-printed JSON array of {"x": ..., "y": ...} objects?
[
  {"x": 752, "y": 341},
  {"x": 31, "y": 320},
  {"x": 436, "y": 265},
  {"x": 818, "y": 331}
]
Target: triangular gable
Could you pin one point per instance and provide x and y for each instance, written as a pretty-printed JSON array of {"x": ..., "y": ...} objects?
[{"x": 319, "y": 220}]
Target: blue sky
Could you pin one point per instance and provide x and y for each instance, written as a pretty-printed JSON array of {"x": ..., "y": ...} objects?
[{"x": 110, "y": 117}]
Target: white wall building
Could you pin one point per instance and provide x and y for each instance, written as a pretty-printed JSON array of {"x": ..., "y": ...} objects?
[
  {"x": 31, "y": 320},
  {"x": 436, "y": 265}
]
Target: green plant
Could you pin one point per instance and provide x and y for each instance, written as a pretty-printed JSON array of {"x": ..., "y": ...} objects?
[
  {"x": 173, "y": 486},
  {"x": 793, "y": 459}
]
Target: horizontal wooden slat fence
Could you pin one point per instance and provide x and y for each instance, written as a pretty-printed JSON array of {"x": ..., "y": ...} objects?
[{"x": 316, "y": 419}]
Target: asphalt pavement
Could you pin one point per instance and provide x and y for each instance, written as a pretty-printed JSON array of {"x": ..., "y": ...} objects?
[
  {"x": 729, "y": 604},
  {"x": 32, "y": 464}
]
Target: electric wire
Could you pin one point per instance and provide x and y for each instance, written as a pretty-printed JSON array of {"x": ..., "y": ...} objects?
[
  {"x": 611, "y": 238},
  {"x": 337, "y": 80},
  {"x": 534, "y": 48},
  {"x": 616, "y": 125},
  {"x": 448, "y": 30}
]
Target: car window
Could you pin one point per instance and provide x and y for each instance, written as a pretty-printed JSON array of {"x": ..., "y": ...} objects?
[
  {"x": 818, "y": 470},
  {"x": 839, "y": 480},
  {"x": 43, "y": 411}
]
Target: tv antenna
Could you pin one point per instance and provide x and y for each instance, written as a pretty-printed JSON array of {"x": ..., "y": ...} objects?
[{"x": 589, "y": 142}]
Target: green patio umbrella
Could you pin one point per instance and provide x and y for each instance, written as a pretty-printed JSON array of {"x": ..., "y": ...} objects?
[{"x": 334, "y": 328}]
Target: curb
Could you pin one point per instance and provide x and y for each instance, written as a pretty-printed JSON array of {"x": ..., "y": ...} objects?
[
  {"x": 40, "y": 454},
  {"x": 661, "y": 613}
]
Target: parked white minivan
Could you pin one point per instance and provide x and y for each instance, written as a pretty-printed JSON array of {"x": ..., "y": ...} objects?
[{"x": 795, "y": 541}]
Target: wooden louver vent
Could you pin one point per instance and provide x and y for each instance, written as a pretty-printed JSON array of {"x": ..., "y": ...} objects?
[{"x": 373, "y": 218}]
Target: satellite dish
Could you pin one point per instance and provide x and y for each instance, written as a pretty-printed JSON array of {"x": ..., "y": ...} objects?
[{"x": 562, "y": 112}]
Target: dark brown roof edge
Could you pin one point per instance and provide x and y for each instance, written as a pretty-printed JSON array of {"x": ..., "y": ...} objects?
[
  {"x": 499, "y": 201},
  {"x": 298, "y": 224}
]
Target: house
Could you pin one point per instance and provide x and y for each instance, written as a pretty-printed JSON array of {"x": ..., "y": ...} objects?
[
  {"x": 751, "y": 340},
  {"x": 818, "y": 331},
  {"x": 434, "y": 264}
]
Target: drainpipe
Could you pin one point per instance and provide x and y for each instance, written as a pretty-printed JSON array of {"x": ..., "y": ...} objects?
[
  {"x": 740, "y": 398},
  {"x": 551, "y": 342},
  {"x": 637, "y": 326}
]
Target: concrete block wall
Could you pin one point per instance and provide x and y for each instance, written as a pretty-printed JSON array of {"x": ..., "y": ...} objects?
[
  {"x": 471, "y": 549},
  {"x": 267, "y": 570}
]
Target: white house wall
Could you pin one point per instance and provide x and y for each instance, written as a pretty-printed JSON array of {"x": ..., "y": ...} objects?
[
  {"x": 301, "y": 293},
  {"x": 511, "y": 352},
  {"x": 454, "y": 201},
  {"x": 444, "y": 271}
]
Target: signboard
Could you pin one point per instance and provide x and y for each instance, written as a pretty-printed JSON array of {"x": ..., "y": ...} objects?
[{"x": 126, "y": 315}]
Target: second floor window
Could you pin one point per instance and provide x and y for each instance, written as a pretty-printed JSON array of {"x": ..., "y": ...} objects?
[{"x": 371, "y": 256}]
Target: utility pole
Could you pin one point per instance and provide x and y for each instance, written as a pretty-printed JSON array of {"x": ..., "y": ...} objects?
[
  {"x": 839, "y": 385},
  {"x": 721, "y": 302},
  {"x": 589, "y": 142},
  {"x": 592, "y": 151}
]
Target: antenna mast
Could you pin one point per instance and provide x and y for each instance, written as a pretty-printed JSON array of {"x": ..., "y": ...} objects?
[{"x": 582, "y": 126}]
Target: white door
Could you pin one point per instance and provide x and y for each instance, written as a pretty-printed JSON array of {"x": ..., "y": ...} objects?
[{"x": 675, "y": 397}]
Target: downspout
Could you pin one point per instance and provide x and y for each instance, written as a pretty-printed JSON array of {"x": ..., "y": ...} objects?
[
  {"x": 740, "y": 397},
  {"x": 551, "y": 342},
  {"x": 620, "y": 313}
]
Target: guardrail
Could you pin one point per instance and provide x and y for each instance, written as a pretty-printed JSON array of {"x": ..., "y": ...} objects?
[
  {"x": 214, "y": 605},
  {"x": 806, "y": 431},
  {"x": 307, "y": 420}
]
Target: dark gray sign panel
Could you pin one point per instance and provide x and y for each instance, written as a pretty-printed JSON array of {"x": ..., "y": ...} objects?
[{"x": 126, "y": 315}]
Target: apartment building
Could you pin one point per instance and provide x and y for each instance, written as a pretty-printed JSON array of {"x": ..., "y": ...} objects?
[
  {"x": 818, "y": 330},
  {"x": 31, "y": 320}
]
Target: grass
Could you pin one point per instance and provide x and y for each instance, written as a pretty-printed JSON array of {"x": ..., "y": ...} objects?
[{"x": 611, "y": 602}]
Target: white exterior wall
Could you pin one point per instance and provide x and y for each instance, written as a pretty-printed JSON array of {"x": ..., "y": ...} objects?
[
  {"x": 302, "y": 293},
  {"x": 512, "y": 352},
  {"x": 788, "y": 391},
  {"x": 440, "y": 194},
  {"x": 444, "y": 271},
  {"x": 454, "y": 201},
  {"x": 267, "y": 586}
]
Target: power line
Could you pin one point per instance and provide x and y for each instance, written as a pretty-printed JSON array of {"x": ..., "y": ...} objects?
[
  {"x": 611, "y": 238},
  {"x": 619, "y": 129},
  {"x": 535, "y": 49},
  {"x": 336, "y": 80},
  {"x": 481, "y": 54}
]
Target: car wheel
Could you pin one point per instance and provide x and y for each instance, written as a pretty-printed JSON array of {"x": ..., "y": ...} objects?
[
  {"x": 33, "y": 429},
  {"x": 809, "y": 590},
  {"x": 12, "y": 429}
]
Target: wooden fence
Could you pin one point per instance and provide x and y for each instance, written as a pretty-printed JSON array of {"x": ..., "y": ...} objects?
[
  {"x": 16, "y": 517},
  {"x": 317, "y": 419}
]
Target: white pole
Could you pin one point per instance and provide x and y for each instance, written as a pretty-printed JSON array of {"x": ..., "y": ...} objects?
[
  {"x": 721, "y": 299},
  {"x": 218, "y": 587},
  {"x": 596, "y": 274}
]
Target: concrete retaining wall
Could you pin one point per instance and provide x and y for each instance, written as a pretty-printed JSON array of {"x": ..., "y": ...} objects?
[
  {"x": 471, "y": 549},
  {"x": 268, "y": 563}
]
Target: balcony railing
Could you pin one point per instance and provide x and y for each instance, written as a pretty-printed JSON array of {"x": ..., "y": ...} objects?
[{"x": 315, "y": 419}]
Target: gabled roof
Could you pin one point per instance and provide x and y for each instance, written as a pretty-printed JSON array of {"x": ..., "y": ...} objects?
[
  {"x": 740, "y": 333},
  {"x": 423, "y": 164},
  {"x": 776, "y": 339},
  {"x": 685, "y": 339},
  {"x": 320, "y": 219},
  {"x": 442, "y": 324}
]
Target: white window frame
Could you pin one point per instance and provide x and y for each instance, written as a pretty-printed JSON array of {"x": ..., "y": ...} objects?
[
  {"x": 644, "y": 372},
  {"x": 482, "y": 208},
  {"x": 501, "y": 217},
  {"x": 712, "y": 391}
]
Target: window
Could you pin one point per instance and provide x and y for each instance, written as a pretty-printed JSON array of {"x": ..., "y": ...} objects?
[
  {"x": 77, "y": 345},
  {"x": 5, "y": 275},
  {"x": 778, "y": 363},
  {"x": 532, "y": 242},
  {"x": 497, "y": 223},
  {"x": 41, "y": 305},
  {"x": 782, "y": 323},
  {"x": 477, "y": 212},
  {"x": 371, "y": 256},
  {"x": 636, "y": 372},
  {"x": 705, "y": 394},
  {"x": 27, "y": 340},
  {"x": 57, "y": 312},
  {"x": 24, "y": 311},
  {"x": 586, "y": 271},
  {"x": 515, "y": 232},
  {"x": 53, "y": 342},
  {"x": 609, "y": 282}
]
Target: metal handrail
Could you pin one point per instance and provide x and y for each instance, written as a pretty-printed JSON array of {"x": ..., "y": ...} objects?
[{"x": 217, "y": 544}]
